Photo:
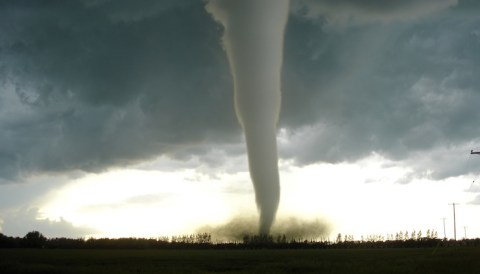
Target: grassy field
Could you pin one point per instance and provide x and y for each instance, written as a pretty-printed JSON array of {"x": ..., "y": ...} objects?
[{"x": 418, "y": 260}]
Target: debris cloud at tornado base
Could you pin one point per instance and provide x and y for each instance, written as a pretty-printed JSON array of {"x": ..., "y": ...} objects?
[
  {"x": 253, "y": 40},
  {"x": 292, "y": 227}
]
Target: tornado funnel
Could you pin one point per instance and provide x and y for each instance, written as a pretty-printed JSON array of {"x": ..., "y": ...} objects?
[{"x": 253, "y": 40}]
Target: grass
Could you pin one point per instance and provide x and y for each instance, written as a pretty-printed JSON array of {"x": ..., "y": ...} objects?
[{"x": 399, "y": 260}]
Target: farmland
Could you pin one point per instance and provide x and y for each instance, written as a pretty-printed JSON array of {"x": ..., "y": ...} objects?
[{"x": 375, "y": 260}]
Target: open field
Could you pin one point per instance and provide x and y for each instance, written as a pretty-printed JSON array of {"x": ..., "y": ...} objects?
[{"x": 399, "y": 260}]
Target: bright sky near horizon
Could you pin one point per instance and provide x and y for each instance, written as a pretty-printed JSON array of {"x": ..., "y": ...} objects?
[{"x": 116, "y": 118}]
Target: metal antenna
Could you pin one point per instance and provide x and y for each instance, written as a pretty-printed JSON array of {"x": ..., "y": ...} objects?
[
  {"x": 454, "y": 222},
  {"x": 474, "y": 152}
]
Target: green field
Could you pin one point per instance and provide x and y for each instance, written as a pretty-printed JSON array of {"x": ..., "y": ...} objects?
[{"x": 399, "y": 260}]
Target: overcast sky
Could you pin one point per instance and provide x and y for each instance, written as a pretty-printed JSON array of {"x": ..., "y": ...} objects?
[{"x": 95, "y": 86}]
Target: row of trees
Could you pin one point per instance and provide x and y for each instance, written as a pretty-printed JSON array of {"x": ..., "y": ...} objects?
[
  {"x": 35, "y": 239},
  {"x": 400, "y": 236}
]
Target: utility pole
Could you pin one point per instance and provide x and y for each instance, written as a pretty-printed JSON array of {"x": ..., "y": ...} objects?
[
  {"x": 444, "y": 231},
  {"x": 454, "y": 222}
]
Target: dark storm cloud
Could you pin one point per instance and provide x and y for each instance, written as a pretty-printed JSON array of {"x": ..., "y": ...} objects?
[
  {"x": 89, "y": 84},
  {"x": 406, "y": 90},
  {"x": 127, "y": 10},
  {"x": 341, "y": 13},
  {"x": 96, "y": 83}
]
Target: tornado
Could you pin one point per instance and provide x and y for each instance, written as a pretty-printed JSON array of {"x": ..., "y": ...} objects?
[{"x": 253, "y": 40}]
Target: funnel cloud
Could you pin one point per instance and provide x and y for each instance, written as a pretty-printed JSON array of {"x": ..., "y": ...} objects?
[{"x": 253, "y": 40}]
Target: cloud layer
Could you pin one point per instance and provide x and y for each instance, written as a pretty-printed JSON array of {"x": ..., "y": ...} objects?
[
  {"x": 19, "y": 222},
  {"x": 91, "y": 85},
  {"x": 83, "y": 91},
  {"x": 344, "y": 13}
]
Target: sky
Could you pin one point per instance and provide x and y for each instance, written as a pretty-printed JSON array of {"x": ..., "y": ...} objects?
[{"x": 117, "y": 119}]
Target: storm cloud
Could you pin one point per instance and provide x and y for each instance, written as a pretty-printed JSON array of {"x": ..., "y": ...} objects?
[
  {"x": 406, "y": 90},
  {"x": 345, "y": 13},
  {"x": 93, "y": 85},
  {"x": 80, "y": 90}
]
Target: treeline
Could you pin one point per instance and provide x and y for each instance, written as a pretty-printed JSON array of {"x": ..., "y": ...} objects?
[{"x": 35, "y": 239}]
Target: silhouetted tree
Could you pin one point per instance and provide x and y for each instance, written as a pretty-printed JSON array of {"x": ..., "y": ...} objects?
[
  {"x": 339, "y": 238},
  {"x": 4, "y": 241},
  {"x": 34, "y": 239},
  {"x": 400, "y": 236}
]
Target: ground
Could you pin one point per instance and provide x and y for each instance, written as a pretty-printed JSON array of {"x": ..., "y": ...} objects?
[{"x": 380, "y": 260}]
